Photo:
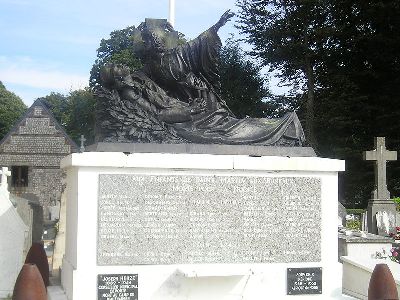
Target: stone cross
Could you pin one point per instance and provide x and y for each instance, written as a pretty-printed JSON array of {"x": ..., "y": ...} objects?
[
  {"x": 4, "y": 174},
  {"x": 380, "y": 155},
  {"x": 83, "y": 140}
]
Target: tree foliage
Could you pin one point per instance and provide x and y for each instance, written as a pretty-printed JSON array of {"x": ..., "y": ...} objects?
[
  {"x": 352, "y": 47},
  {"x": 11, "y": 109},
  {"x": 75, "y": 112},
  {"x": 119, "y": 48},
  {"x": 289, "y": 37},
  {"x": 243, "y": 87}
]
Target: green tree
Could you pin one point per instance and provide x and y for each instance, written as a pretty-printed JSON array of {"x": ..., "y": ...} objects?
[
  {"x": 81, "y": 110},
  {"x": 58, "y": 104},
  {"x": 288, "y": 36},
  {"x": 351, "y": 48},
  {"x": 361, "y": 91},
  {"x": 243, "y": 87},
  {"x": 75, "y": 112},
  {"x": 124, "y": 47},
  {"x": 11, "y": 109}
]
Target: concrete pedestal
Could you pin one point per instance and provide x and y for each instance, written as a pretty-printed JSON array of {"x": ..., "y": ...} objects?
[{"x": 250, "y": 275}]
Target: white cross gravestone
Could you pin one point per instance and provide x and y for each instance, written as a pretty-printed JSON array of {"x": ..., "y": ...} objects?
[
  {"x": 4, "y": 174},
  {"x": 380, "y": 155},
  {"x": 380, "y": 201}
]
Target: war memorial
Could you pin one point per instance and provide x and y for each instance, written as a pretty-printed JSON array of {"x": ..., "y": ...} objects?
[{"x": 179, "y": 199}]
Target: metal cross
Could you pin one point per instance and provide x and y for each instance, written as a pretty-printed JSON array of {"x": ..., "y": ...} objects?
[
  {"x": 4, "y": 174},
  {"x": 83, "y": 140},
  {"x": 380, "y": 155}
]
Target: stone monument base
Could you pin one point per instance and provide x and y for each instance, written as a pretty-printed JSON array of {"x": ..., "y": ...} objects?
[{"x": 200, "y": 226}]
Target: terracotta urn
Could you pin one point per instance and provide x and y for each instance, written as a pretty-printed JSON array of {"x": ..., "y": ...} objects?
[
  {"x": 37, "y": 256},
  {"x": 29, "y": 284},
  {"x": 382, "y": 284}
]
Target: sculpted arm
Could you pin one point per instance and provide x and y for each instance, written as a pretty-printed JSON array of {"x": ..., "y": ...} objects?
[{"x": 223, "y": 20}]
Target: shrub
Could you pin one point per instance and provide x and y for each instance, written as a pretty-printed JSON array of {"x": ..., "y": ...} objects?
[
  {"x": 397, "y": 201},
  {"x": 353, "y": 224}
]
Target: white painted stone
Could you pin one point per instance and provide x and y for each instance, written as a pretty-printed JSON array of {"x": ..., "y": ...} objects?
[
  {"x": 59, "y": 243},
  {"x": 13, "y": 232},
  {"x": 192, "y": 281},
  {"x": 357, "y": 272}
]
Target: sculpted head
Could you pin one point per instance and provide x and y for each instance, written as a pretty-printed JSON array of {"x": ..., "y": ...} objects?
[
  {"x": 158, "y": 35},
  {"x": 112, "y": 75}
]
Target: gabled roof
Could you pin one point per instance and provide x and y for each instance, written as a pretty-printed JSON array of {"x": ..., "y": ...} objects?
[{"x": 38, "y": 102}]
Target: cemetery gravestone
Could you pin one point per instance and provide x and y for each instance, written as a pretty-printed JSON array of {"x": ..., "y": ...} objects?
[{"x": 380, "y": 196}]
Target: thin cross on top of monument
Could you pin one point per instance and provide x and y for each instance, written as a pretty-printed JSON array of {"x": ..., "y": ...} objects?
[
  {"x": 380, "y": 155},
  {"x": 171, "y": 18},
  {"x": 4, "y": 174}
]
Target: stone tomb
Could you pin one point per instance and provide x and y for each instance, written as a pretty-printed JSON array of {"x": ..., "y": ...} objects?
[{"x": 198, "y": 226}]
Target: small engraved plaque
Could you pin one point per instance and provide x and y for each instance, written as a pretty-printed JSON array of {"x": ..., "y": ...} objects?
[
  {"x": 303, "y": 281},
  {"x": 172, "y": 219},
  {"x": 117, "y": 287}
]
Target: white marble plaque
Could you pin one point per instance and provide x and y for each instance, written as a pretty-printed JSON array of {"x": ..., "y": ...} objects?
[{"x": 176, "y": 219}]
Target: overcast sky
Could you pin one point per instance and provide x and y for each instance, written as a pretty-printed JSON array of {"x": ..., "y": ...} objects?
[{"x": 49, "y": 45}]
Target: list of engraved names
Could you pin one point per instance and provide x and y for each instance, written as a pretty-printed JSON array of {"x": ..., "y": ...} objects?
[{"x": 169, "y": 219}]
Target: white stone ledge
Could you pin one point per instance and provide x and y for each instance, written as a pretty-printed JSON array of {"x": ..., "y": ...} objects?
[
  {"x": 279, "y": 163},
  {"x": 201, "y": 161}
]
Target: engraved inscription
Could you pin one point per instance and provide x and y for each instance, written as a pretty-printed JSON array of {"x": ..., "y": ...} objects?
[
  {"x": 117, "y": 287},
  {"x": 168, "y": 219},
  {"x": 303, "y": 281}
]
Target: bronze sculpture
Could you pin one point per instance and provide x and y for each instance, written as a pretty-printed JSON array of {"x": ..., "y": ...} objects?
[{"x": 175, "y": 97}]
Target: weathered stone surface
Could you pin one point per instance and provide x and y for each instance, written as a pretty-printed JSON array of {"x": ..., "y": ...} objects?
[{"x": 160, "y": 219}]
